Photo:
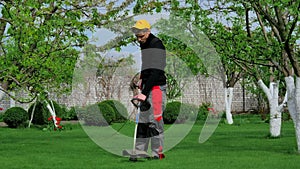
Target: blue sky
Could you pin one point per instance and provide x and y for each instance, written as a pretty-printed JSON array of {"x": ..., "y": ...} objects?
[{"x": 102, "y": 36}]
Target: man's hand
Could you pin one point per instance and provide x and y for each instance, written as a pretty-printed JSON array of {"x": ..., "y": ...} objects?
[{"x": 140, "y": 96}]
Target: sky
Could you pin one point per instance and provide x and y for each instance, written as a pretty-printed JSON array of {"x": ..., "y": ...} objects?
[{"x": 102, "y": 36}]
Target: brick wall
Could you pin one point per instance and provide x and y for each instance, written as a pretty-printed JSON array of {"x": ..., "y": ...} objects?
[{"x": 195, "y": 92}]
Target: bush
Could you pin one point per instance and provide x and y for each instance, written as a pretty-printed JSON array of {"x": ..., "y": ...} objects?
[
  {"x": 203, "y": 111},
  {"x": 119, "y": 109},
  {"x": 15, "y": 117},
  {"x": 99, "y": 114},
  {"x": 190, "y": 111},
  {"x": 1, "y": 117},
  {"x": 171, "y": 113},
  {"x": 107, "y": 112},
  {"x": 172, "y": 110},
  {"x": 41, "y": 112},
  {"x": 69, "y": 114}
]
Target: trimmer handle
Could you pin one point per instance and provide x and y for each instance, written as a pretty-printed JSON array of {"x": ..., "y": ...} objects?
[{"x": 136, "y": 102}]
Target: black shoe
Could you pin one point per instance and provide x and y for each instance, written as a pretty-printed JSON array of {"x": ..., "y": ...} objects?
[
  {"x": 160, "y": 157},
  {"x": 155, "y": 157},
  {"x": 133, "y": 158}
]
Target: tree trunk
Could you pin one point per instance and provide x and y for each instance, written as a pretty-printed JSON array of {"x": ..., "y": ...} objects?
[
  {"x": 275, "y": 114},
  {"x": 3, "y": 87},
  {"x": 32, "y": 114},
  {"x": 291, "y": 101},
  {"x": 297, "y": 98},
  {"x": 228, "y": 102},
  {"x": 52, "y": 112},
  {"x": 275, "y": 111},
  {"x": 2, "y": 94},
  {"x": 294, "y": 104},
  {"x": 12, "y": 101}
]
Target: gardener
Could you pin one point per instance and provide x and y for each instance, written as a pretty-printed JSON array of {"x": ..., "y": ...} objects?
[{"x": 153, "y": 90}]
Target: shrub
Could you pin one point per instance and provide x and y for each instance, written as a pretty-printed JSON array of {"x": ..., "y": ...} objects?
[
  {"x": 107, "y": 112},
  {"x": 171, "y": 113},
  {"x": 15, "y": 117},
  {"x": 89, "y": 115},
  {"x": 99, "y": 114},
  {"x": 1, "y": 117},
  {"x": 189, "y": 111},
  {"x": 203, "y": 111},
  {"x": 119, "y": 109},
  {"x": 69, "y": 114},
  {"x": 41, "y": 112}
]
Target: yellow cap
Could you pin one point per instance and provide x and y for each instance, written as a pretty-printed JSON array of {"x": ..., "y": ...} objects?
[{"x": 142, "y": 24}]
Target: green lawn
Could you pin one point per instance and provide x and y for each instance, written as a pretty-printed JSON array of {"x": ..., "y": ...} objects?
[{"x": 243, "y": 146}]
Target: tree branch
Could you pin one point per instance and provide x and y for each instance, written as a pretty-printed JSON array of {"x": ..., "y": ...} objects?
[{"x": 262, "y": 26}]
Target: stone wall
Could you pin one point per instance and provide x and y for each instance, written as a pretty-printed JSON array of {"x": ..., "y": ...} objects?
[{"x": 195, "y": 91}]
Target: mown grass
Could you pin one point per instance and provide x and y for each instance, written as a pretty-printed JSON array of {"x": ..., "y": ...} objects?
[{"x": 245, "y": 145}]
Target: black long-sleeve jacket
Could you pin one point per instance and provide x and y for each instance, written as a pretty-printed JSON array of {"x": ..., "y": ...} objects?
[{"x": 153, "y": 64}]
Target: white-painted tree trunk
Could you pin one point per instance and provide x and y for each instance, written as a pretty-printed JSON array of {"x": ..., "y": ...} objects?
[
  {"x": 32, "y": 114},
  {"x": 291, "y": 101},
  {"x": 297, "y": 98},
  {"x": 275, "y": 110},
  {"x": 228, "y": 103},
  {"x": 52, "y": 112},
  {"x": 2, "y": 94},
  {"x": 294, "y": 104},
  {"x": 12, "y": 102}
]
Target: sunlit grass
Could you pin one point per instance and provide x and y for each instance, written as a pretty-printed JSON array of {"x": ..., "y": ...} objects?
[{"x": 242, "y": 146}]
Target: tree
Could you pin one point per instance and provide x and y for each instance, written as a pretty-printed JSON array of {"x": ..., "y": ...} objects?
[
  {"x": 40, "y": 41},
  {"x": 110, "y": 75},
  {"x": 272, "y": 39},
  {"x": 249, "y": 50},
  {"x": 283, "y": 19},
  {"x": 182, "y": 62},
  {"x": 224, "y": 39}
]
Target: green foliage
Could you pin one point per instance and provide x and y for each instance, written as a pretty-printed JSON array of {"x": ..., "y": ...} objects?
[
  {"x": 107, "y": 112},
  {"x": 183, "y": 53},
  {"x": 174, "y": 89},
  {"x": 120, "y": 110},
  {"x": 177, "y": 112},
  {"x": 15, "y": 117},
  {"x": 100, "y": 114},
  {"x": 190, "y": 111},
  {"x": 203, "y": 111},
  {"x": 1, "y": 117},
  {"x": 171, "y": 112},
  {"x": 40, "y": 113},
  {"x": 40, "y": 41},
  {"x": 69, "y": 114}
]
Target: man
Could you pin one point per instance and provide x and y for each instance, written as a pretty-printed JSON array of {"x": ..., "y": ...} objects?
[{"x": 153, "y": 90}]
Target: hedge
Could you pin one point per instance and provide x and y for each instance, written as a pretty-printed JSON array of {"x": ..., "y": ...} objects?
[
  {"x": 99, "y": 114},
  {"x": 119, "y": 109},
  {"x": 177, "y": 112}
]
